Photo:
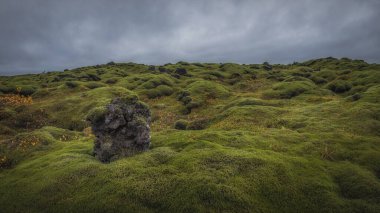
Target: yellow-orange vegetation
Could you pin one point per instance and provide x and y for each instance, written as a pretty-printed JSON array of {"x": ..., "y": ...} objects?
[
  {"x": 15, "y": 100},
  {"x": 24, "y": 143}
]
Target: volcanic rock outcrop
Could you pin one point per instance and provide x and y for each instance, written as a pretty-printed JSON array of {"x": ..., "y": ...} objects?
[{"x": 121, "y": 128}]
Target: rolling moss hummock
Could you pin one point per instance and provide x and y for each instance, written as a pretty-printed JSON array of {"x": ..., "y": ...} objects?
[{"x": 302, "y": 137}]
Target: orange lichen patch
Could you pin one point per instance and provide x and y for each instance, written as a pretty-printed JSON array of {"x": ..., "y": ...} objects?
[
  {"x": 24, "y": 143},
  {"x": 15, "y": 100}
]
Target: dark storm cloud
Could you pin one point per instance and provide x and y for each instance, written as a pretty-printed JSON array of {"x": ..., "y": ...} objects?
[{"x": 38, "y": 35}]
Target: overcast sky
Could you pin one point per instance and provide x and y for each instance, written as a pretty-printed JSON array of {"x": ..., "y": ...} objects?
[{"x": 46, "y": 35}]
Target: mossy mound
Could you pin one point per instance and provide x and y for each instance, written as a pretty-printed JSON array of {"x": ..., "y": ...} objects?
[
  {"x": 147, "y": 81},
  {"x": 247, "y": 117},
  {"x": 339, "y": 86},
  {"x": 289, "y": 89},
  {"x": 159, "y": 91},
  {"x": 208, "y": 89},
  {"x": 372, "y": 94}
]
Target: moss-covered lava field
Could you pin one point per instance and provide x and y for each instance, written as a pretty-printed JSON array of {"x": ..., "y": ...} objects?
[{"x": 302, "y": 137}]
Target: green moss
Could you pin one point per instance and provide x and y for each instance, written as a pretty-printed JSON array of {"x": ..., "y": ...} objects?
[
  {"x": 248, "y": 117},
  {"x": 339, "y": 86},
  {"x": 289, "y": 89},
  {"x": 161, "y": 90},
  {"x": 208, "y": 89},
  {"x": 130, "y": 98},
  {"x": 41, "y": 93},
  {"x": 96, "y": 115},
  {"x": 328, "y": 75},
  {"x": 372, "y": 94},
  {"x": 318, "y": 80},
  {"x": 355, "y": 183},
  {"x": 250, "y": 102},
  {"x": 157, "y": 81}
]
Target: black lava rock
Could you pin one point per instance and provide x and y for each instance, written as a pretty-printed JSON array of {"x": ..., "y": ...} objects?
[{"x": 121, "y": 128}]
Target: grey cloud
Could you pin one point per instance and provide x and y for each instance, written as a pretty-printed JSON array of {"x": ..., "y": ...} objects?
[{"x": 38, "y": 35}]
